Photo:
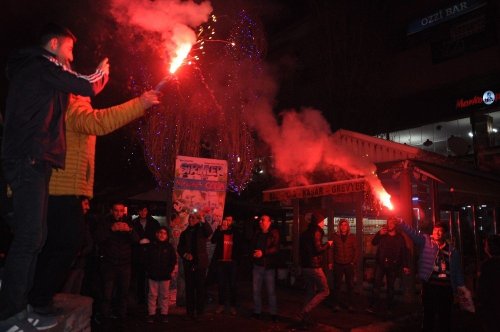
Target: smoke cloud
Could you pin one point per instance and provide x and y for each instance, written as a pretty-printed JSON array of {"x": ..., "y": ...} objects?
[
  {"x": 303, "y": 142},
  {"x": 175, "y": 20}
]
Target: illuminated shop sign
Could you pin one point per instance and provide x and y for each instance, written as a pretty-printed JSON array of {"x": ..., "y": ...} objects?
[
  {"x": 444, "y": 14},
  {"x": 487, "y": 98}
]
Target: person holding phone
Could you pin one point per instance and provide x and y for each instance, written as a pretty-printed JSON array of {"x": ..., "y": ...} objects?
[
  {"x": 115, "y": 237},
  {"x": 391, "y": 258}
]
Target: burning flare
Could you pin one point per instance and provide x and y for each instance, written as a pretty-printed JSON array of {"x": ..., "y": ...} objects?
[
  {"x": 385, "y": 199},
  {"x": 379, "y": 190},
  {"x": 180, "y": 54}
]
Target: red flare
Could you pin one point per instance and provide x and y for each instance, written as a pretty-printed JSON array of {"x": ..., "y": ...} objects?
[
  {"x": 180, "y": 55},
  {"x": 385, "y": 199}
]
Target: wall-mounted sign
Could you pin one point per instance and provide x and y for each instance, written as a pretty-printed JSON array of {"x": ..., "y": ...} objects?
[
  {"x": 444, "y": 14},
  {"x": 487, "y": 98},
  {"x": 316, "y": 190}
]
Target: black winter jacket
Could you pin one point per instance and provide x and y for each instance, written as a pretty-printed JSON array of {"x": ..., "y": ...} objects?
[
  {"x": 218, "y": 240},
  {"x": 149, "y": 232},
  {"x": 311, "y": 247},
  {"x": 193, "y": 240},
  {"x": 39, "y": 88},
  {"x": 115, "y": 247},
  {"x": 391, "y": 250},
  {"x": 160, "y": 260},
  {"x": 269, "y": 243}
]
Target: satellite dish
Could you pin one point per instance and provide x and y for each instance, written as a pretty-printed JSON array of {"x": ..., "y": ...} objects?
[{"x": 458, "y": 145}]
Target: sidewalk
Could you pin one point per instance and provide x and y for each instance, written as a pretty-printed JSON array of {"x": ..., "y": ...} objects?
[{"x": 405, "y": 317}]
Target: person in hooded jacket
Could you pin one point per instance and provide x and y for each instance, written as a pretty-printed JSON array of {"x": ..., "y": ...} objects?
[
  {"x": 344, "y": 260},
  {"x": 40, "y": 82},
  {"x": 160, "y": 260}
]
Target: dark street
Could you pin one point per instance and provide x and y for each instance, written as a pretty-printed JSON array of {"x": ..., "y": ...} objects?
[{"x": 404, "y": 318}]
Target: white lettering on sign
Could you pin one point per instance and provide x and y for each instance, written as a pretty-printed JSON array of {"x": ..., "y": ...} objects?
[
  {"x": 317, "y": 190},
  {"x": 432, "y": 18},
  {"x": 456, "y": 9},
  {"x": 444, "y": 13}
]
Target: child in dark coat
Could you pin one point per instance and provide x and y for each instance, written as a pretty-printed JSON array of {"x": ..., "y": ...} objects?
[{"x": 160, "y": 262}]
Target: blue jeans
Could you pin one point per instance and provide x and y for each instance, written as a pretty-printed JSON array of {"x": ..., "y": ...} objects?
[
  {"x": 29, "y": 181},
  {"x": 316, "y": 288},
  {"x": 261, "y": 274}
]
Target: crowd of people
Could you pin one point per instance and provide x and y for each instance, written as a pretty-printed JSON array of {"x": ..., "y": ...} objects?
[
  {"x": 48, "y": 151},
  {"x": 123, "y": 260}
]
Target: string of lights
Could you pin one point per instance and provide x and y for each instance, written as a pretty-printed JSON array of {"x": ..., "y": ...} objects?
[{"x": 202, "y": 113}]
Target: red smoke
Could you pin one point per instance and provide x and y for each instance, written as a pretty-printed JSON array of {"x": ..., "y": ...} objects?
[
  {"x": 174, "y": 20},
  {"x": 304, "y": 143},
  {"x": 301, "y": 144}
]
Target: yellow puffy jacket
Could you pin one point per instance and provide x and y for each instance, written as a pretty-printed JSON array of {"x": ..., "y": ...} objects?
[{"x": 83, "y": 123}]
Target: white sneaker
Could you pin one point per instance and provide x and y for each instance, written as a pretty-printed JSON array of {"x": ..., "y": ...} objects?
[
  {"x": 21, "y": 327},
  {"x": 17, "y": 323},
  {"x": 41, "y": 322}
]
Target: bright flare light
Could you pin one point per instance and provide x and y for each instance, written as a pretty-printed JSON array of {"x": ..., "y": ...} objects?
[
  {"x": 385, "y": 199},
  {"x": 180, "y": 54},
  {"x": 186, "y": 45},
  {"x": 378, "y": 190}
]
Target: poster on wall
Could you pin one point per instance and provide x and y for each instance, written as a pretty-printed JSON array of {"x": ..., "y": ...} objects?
[{"x": 199, "y": 187}]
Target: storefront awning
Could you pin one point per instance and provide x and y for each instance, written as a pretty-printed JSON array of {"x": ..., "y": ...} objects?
[{"x": 316, "y": 190}]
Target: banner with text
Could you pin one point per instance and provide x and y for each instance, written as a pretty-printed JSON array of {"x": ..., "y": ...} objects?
[
  {"x": 316, "y": 190},
  {"x": 199, "y": 186}
]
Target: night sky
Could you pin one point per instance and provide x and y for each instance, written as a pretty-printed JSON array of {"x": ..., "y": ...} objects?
[{"x": 333, "y": 56}]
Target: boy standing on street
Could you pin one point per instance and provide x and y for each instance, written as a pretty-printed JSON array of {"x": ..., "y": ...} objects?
[{"x": 160, "y": 262}]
